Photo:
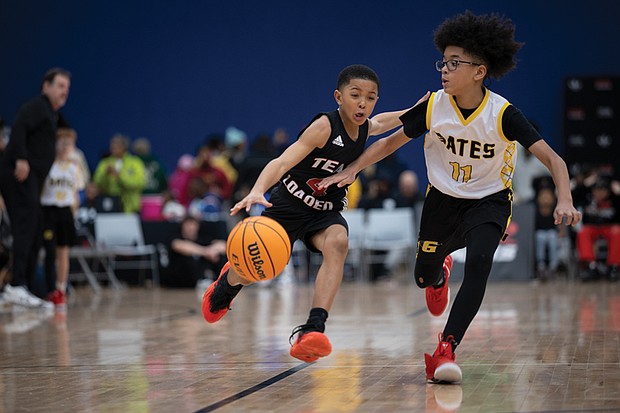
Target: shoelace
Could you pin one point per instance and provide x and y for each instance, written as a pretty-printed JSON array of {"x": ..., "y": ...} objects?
[
  {"x": 445, "y": 346},
  {"x": 304, "y": 328}
]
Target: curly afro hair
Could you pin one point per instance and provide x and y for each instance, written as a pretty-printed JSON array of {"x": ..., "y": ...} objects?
[{"x": 489, "y": 37}]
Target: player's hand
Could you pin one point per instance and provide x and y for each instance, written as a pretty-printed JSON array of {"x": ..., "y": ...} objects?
[
  {"x": 247, "y": 202},
  {"x": 345, "y": 177},
  {"x": 567, "y": 214},
  {"x": 22, "y": 170}
]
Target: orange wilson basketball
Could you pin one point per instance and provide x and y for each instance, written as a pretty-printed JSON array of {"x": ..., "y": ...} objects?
[{"x": 258, "y": 248}]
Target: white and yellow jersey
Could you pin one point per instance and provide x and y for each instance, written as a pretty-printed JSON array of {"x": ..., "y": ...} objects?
[
  {"x": 468, "y": 158},
  {"x": 63, "y": 181}
]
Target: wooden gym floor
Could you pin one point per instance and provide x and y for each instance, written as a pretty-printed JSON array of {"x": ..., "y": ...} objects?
[{"x": 552, "y": 347}]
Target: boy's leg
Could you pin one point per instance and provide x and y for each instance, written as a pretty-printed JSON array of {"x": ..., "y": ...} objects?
[
  {"x": 311, "y": 342},
  {"x": 482, "y": 241}
]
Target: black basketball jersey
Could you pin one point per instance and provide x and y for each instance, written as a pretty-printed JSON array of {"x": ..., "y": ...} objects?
[{"x": 299, "y": 185}]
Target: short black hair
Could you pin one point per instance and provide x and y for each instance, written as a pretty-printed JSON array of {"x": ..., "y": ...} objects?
[
  {"x": 489, "y": 37},
  {"x": 356, "y": 72},
  {"x": 51, "y": 74}
]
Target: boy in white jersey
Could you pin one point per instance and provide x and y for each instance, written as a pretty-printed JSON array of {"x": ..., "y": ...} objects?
[
  {"x": 59, "y": 199},
  {"x": 470, "y": 152}
]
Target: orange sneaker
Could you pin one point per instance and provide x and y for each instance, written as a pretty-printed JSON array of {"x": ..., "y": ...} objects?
[
  {"x": 441, "y": 366},
  {"x": 216, "y": 300},
  {"x": 309, "y": 346},
  {"x": 438, "y": 298}
]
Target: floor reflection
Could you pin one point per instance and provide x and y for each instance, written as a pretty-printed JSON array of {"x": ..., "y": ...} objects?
[{"x": 551, "y": 347}]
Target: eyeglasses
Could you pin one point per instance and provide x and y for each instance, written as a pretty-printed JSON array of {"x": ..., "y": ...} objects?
[{"x": 452, "y": 64}]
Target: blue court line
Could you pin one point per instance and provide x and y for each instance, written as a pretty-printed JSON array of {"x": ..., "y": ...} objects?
[{"x": 252, "y": 389}]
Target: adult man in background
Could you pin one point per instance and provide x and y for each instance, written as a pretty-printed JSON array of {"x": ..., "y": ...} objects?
[{"x": 27, "y": 160}]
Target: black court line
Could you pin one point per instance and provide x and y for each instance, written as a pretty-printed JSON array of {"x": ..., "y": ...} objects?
[
  {"x": 272, "y": 380},
  {"x": 252, "y": 389}
]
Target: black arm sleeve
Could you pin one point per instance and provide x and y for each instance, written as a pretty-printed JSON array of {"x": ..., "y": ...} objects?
[
  {"x": 517, "y": 128},
  {"x": 414, "y": 120}
]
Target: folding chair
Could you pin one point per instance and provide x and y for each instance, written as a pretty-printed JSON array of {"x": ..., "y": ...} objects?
[
  {"x": 121, "y": 234},
  {"x": 391, "y": 230}
]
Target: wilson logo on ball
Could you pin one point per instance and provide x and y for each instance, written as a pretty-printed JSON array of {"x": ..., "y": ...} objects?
[{"x": 254, "y": 252}]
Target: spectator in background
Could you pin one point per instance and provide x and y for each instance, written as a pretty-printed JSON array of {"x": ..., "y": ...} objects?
[
  {"x": 179, "y": 179},
  {"x": 219, "y": 156},
  {"x": 213, "y": 177},
  {"x": 172, "y": 210},
  {"x": 408, "y": 193},
  {"x": 378, "y": 194},
  {"x": 121, "y": 174},
  {"x": 261, "y": 152},
  {"x": 92, "y": 204},
  {"x": 601, "y": 219},
  {"x": 3, "y": 138},
  {"x": 236, "y": 145},
  {"x": 60, "y": 201},
  {"x": 205, "y": 205},
  {"x": 546, "y": 234},
  {"x": 193, "y": 255},
  {"x": 28, "y": 158},
  {"x": 77, "y": 156},
  {"x": 529, "y": 168},
  {"x": 281, "y": 140},
  {"x": 154, "y": 170},
  {"x": 379, "y": 181}
]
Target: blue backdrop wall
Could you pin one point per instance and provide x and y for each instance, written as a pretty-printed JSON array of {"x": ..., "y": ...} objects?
[{"x": 177, "y": 71}]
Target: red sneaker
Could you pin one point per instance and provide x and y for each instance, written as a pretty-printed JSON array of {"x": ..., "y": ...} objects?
[
  {"x": 58, "y": 298},
  {"x": 310, "y": 346},
  {"x": 441, "y": 367},
  {"x": 216, "y": 301},
  {"x": 438, "y": 298}
]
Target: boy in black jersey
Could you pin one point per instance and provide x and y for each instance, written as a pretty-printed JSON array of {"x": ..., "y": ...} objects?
[
  {"x": 470, "y": 152},
  {"x": 326, "y": 146}
]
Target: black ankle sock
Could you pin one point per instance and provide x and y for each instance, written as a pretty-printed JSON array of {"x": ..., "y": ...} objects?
[
  {"x": 317, "y": 317},
  {"x": 232, "y": 289}
]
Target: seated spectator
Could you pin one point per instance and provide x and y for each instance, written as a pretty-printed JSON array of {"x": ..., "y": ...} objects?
[
  {"x": 261, "y": 152},
  {"x": 219, "y": 156},
  {"x": 546, "y": 234},
  {"x": 193, "y": 256},
  {"x": 179, "y": 179},
  {"x": 377, "y": 195},
  {"x": 408, "y": 193},
  {"x": 528, "y": 169},
  {"x": 213, "y": 177},
  {"x": 155, "y": 172},
  {"x": 236, "y": 142},
  {"x": 172, "y": 210},
  {"x": 92, "y": 204},
  {"x": 205, "y": 205},
  {"x": 121, "y": 174},
  {"x": 601, "y": 220}
]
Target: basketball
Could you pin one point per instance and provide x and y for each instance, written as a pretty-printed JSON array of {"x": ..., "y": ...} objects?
[{"x": 258, "y": 248}]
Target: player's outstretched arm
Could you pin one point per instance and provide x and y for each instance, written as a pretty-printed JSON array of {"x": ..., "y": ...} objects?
[
  {"x": 374, "y": 153},
  {"x": 313, "y": 137},
  {"x": 386, "y": 121}
]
